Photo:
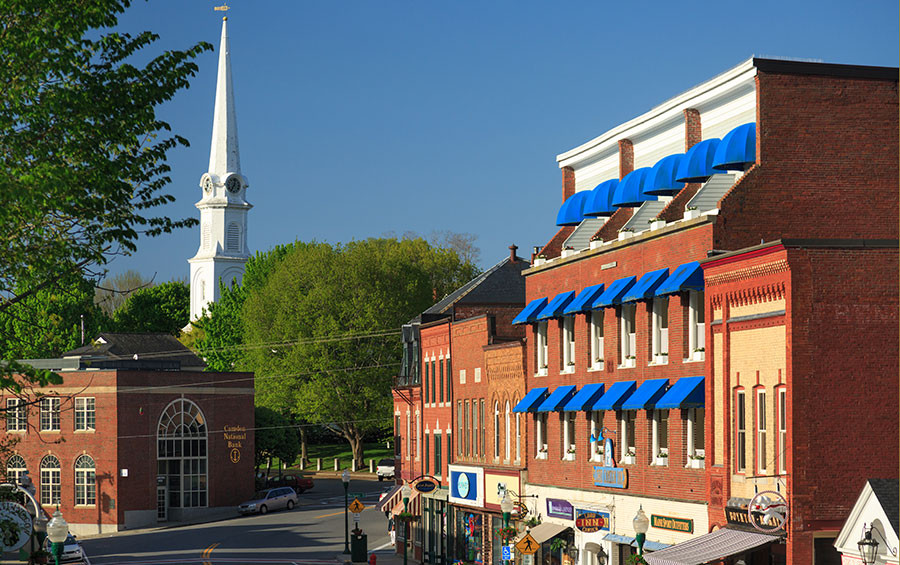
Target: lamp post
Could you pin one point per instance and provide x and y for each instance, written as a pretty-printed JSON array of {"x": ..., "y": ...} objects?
[
  {"x": 641, "y": 524},
  {"x": 345, "y": 478},
  {"x": 57, "y": 531},
  {"x": 506, "y": 506},
  {"x": 868, "y": 548},
  {"x": 405, "y": 492}
]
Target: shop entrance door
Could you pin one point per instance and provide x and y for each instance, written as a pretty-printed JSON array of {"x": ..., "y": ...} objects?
[{"x": 162, "y": 506}]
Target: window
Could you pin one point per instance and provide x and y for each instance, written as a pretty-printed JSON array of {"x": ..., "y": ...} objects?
[
  {"x": 16, "y": 419},
  {"x": 540, "y": 332},
  {"x": 568, "y": 344},
  {"x": 15, "y": 468},
  {"x": 518, "y": 434},
  {"x": 462, "y": 379},
  {"x": 427, "y": 454},
  {"x": 425, "y": 384},
  {"x": 50, "y": 480},
  {"x": 596, "y": 429},
  {"x": 181, "y": 440},
  {"x": 416, "y": 434},
  {"x": 540, "y": 435},
  {"x": 627, "y": 430},
  {"x": 85, "y": 481},
  {"x": 696, "y": 437},
  {"x": 468, "y": 415},
  {"x": 441, "y": 382},
  {"x": 496, "y": 430},
  {"x": 626, "y": 333},
  {"x": 432, "y": 381},
  {"x": 507, "y": 428},
  {"x": 761, "y": 428},
  {"x": 398, "y": 439},
  {"x": 408, "y": 433},
  {"x": 475, "y": 427},
  {"x": 437, "y": 454},
  {"x": 50, "y": 414},
  {"x": 483, "y": 425},
  {"x": 459, "y": 425},
  {"x": 660, "y": 437},
  {"x": 740, "y": 440},
  {"x": 596, "y": 317},
  {"x": 782, "y": 431},
  {"x": 660, "y": 331},
  {"x": 696, "y": 327},
  {"x": 85, "y": 415},
  {"x": 568, "y": 438}
]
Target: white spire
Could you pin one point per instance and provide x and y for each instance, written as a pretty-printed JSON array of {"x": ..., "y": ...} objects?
[{"x": 224, "y": 156}]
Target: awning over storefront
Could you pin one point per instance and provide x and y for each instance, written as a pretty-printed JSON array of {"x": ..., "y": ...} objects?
[
  {"x": 391, "y": 498},
  {"x": 530, "y": 312},
  {"x": 557, "y": 305},
  {"x": 399, "y": 506},
  {"x": 709, "y": 547},
  {"x": 557, "y": 399},
  {"x": 687, "y": 392},
  {"x": 645, "y": 397},
  {"x": 737, "y": 151},
  {"x": 585, "y": 398},
  {"x": 532, "y": 400},
  {"x": 613, "y": 398},
  {"x": 646, "y": 287},
  {"x": 584, "y": 300},
  {"x": 613, "y": 293},
  {"x": 545, "y": 531},
  {"x": 688, "y": 276},
  {"x": 628, "y": 540}
]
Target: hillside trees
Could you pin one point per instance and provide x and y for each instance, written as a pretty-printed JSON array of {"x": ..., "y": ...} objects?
[{"x": 161, "y": 308}]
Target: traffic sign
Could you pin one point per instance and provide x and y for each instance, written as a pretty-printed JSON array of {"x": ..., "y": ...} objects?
[
  {"x": 528, "y": 545},
  {"x": 356, "y": 517},
  {"x": 356, "y": 506},
  {"x": 506, "y": 552}
]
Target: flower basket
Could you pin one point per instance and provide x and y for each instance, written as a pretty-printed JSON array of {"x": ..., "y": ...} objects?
[
  {"x": 406, "y": 517},
  {"x": 507, "y": 534}
]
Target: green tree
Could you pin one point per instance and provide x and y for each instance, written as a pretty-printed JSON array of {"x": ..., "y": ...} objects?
[
  {"x": 274, "y": 437},
  {"x": 82, "y": 151},
  {"x": 329, "y": 318},
  {"x": 161, "y": 308},
  {"x": 113, "y": 291}
]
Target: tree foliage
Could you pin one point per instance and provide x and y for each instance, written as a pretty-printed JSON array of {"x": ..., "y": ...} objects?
[
  {"x": 112, "y": 292},
  {"x": 274, "y": 437},
  {"x": 161, "y": 308}
]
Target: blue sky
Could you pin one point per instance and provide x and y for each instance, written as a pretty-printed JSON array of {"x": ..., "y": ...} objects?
[{"x": 358, "y": 118}]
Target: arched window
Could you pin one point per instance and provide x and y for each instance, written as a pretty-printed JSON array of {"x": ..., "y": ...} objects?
[
  {"x": 181, "y": 453},
  {"x": 518, "y": 433},
  {"x": 85, "y": 481},
  {"x": 508, "y": 414},
  {"x": 496, "y": 429},
  {"x": 50, "y": 480},
  {"x": 15, "y": 468}
]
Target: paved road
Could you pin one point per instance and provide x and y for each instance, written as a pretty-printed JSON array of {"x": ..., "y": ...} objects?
[{"x": 312, "y": 534}]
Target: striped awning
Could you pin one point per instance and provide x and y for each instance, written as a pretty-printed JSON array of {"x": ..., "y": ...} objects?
[
  {"x": 390, "y": 498},
  {"x": 710, "y": 547}
]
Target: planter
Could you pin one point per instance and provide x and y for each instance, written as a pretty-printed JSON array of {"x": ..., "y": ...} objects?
[
  {"x": 628, "y": 460},
  {"x": 696, "y": 463},
  {"x": 691, "y": 214},
  {"x": 657, "y": 224}
]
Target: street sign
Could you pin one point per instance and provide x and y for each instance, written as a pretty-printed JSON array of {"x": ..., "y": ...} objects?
[
  {"x": 528, "y": 545},
  {"x": 356, "y": 517},
  {"x": 356, "y": 506},
  {"x": 506, "y": 552}
]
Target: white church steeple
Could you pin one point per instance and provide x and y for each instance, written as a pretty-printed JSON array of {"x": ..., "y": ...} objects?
[{"x": 223, "y": 207}]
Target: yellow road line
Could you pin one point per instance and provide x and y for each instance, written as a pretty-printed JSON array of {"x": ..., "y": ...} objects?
[
  {"x": 333, "y": 514},
  {"x": 208, "y": 551}
]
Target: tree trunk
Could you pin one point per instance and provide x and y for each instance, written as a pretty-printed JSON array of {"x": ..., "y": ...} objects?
[
  {"x": 268, "y": 466},
  {"x": 354, "y": 438},
  {"x": 304, "y": 455}
]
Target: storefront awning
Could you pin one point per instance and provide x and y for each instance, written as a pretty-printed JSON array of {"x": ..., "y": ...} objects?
[
  {"x": 628, "y": 540},
  {"x": 687, "y": 392},
  {"x": 557, "y": 305},
  {"x": 709, "y": 547},
  {"x": 399, "y": 506},
  {"x": 585, "y": 398},
  {"x": 688, "y": 276},
  {"x": 613, "y": 398},
  {"x": 613, "y": 293},
  {"x": 646, "y": 396},
  {"x": 391, "y": 498},
  {"x": 646, "y": 287},
  {"x": 545, "y": 531},
  {"x": 530, "y": 312},
  {"x": 584, "y": 300},
  {"x": 557, "y": 399},
  {"x": 737, "y": 151},
  {"x": 532, "y": 400}
]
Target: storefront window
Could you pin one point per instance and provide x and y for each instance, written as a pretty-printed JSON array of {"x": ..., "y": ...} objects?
[
  {"x": 496, "y": 553},
  {"x": 468, "y": 537}
]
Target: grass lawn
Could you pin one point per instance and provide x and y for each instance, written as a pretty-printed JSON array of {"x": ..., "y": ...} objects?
[{"x": 329, "y": 451}]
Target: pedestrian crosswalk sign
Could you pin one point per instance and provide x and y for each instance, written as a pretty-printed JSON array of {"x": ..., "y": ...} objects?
[
  {"x": 356, "y": 506},
  {"x": 527, "y": 545}
]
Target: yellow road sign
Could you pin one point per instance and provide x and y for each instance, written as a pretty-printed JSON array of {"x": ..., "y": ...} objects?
[
  {"x": 356, "y": 506},
  {"x": 528, "y": 545}
]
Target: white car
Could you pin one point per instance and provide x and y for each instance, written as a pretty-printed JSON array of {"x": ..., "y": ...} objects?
[
  {"x": 72, "y": 552},
  {"x": 385, "y": 469}
]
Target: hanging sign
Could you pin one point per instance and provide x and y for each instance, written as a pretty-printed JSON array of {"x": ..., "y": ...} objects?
[
  {"x": 15, "y": 525},
  {"x": 558, "y": 508},
  {"x": 425, "y": 485},
  {"x": 613, "y": 477},
  {"x": 590, "y": 521},
  {"x": 768, "y": 512}
]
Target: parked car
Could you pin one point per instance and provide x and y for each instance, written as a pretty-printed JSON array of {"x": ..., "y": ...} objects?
[
  {"x": 270, "y": 499},
  {"x": 72, "y": 551},
  {"x": 385, "y": 469},
  {"x": 299, "y": 484}
]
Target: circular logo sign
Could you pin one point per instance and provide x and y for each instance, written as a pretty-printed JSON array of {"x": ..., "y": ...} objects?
[
  {"x": 768, "y": 511},
  {"x": 235, "y": 455},
  {"x": 462, "y": 485},
  {"x": 15, "y": 525},
  {"x": 590, "y": 522},
  {"x": 425, "y": 485}
]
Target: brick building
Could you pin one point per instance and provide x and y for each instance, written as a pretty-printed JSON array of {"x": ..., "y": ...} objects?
[
  {"x": 131, "y": 439},
  {"x": 659, "y": 339}
]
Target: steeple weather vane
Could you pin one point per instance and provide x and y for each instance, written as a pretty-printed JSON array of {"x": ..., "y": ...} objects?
[{"x": 223, "y": 8}]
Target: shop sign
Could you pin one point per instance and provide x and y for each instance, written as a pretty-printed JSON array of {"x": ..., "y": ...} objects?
[
  {"x": 15, "y": 525},
  {"x": 466, "y": 485},
  {"x": 590, "y": 521},
  {"x": 613, "y": 477},
  {"x": 425, "y": 485},
  {"x": 670, "y": 523},
  {"x": 754, "y": 517},
  {"x": 558, "y": 508},
  {"x": 235, "y": 436}
]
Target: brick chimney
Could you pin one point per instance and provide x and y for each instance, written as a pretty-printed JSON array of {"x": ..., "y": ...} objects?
[
  {"x": 512, "y": 253},
  {"x": 568, "y": 182},
  {"x": 693, "y": 133},
  {"x": 626, "y": 157}
]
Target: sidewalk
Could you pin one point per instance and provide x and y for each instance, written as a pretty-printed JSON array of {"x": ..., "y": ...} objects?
[{"x": 386, "y": 556}]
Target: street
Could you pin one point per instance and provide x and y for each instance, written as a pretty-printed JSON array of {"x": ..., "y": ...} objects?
[{"x": 312, "y": 533}]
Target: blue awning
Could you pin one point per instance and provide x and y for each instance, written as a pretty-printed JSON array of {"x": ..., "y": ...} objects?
[
  {"x": 585, "y": 398},
  {"x": 646, "y": 287},
  {"x": 613, "y": 293},
  {"x": 532, "y": 400},
  {"x": 646, "y": 396},
  {"x": 661, "y": 180},
  {"x": 557, "y": 305},
  {"x": 688, "y": 276},
  {"x": 584, "y": 300},
  {"x": 613, "y": 398},
  {"x": 630, "y": 191},
  {"x": 696, "y": 166},
  {"x": 557, "y": 399},
  {"x": 737, "y": 151},
  {"x": 599, "y": 203},
  {"x": 571, "y": 213},
  {"x": 687, "y": 392},
  {"x": 530, "y": 312}
]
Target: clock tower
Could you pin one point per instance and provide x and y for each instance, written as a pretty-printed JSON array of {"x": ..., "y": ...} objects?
[{"x": 223, "y": 205}]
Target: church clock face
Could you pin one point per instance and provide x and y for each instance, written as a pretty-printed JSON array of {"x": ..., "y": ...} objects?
[
  {"x": 206, "y": 183},
  {"x": 233, "y": 184}
]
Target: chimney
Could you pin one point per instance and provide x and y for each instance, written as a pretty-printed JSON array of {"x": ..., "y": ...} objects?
[
  {"x": 693, "y": 134},
  {"x": 568, "y": 182},
  {"x": 512, "y": 253},
  {"x": 535, "y": 251},
  {"x": 626, "y": 157}
]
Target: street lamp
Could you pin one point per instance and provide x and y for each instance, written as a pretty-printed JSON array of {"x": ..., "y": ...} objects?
[
  {"x": 57, "y": 531},
  {"x": 405, "y": 492},
  {"x": 641, "y": 524},
  {"x": 506, "y": 506},
  {"x": 345, "y": 477}
]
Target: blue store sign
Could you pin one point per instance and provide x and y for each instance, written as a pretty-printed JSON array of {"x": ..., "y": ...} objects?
[{"x": 464, "y": 485}]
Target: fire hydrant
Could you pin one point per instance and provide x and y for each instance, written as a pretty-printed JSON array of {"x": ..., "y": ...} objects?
[{"x": 372, "y": 559}]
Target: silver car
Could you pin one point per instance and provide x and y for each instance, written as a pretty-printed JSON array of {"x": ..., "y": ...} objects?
[
  {"x": 71, "y": 553},
  {"x": 271, "y": 499}
]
